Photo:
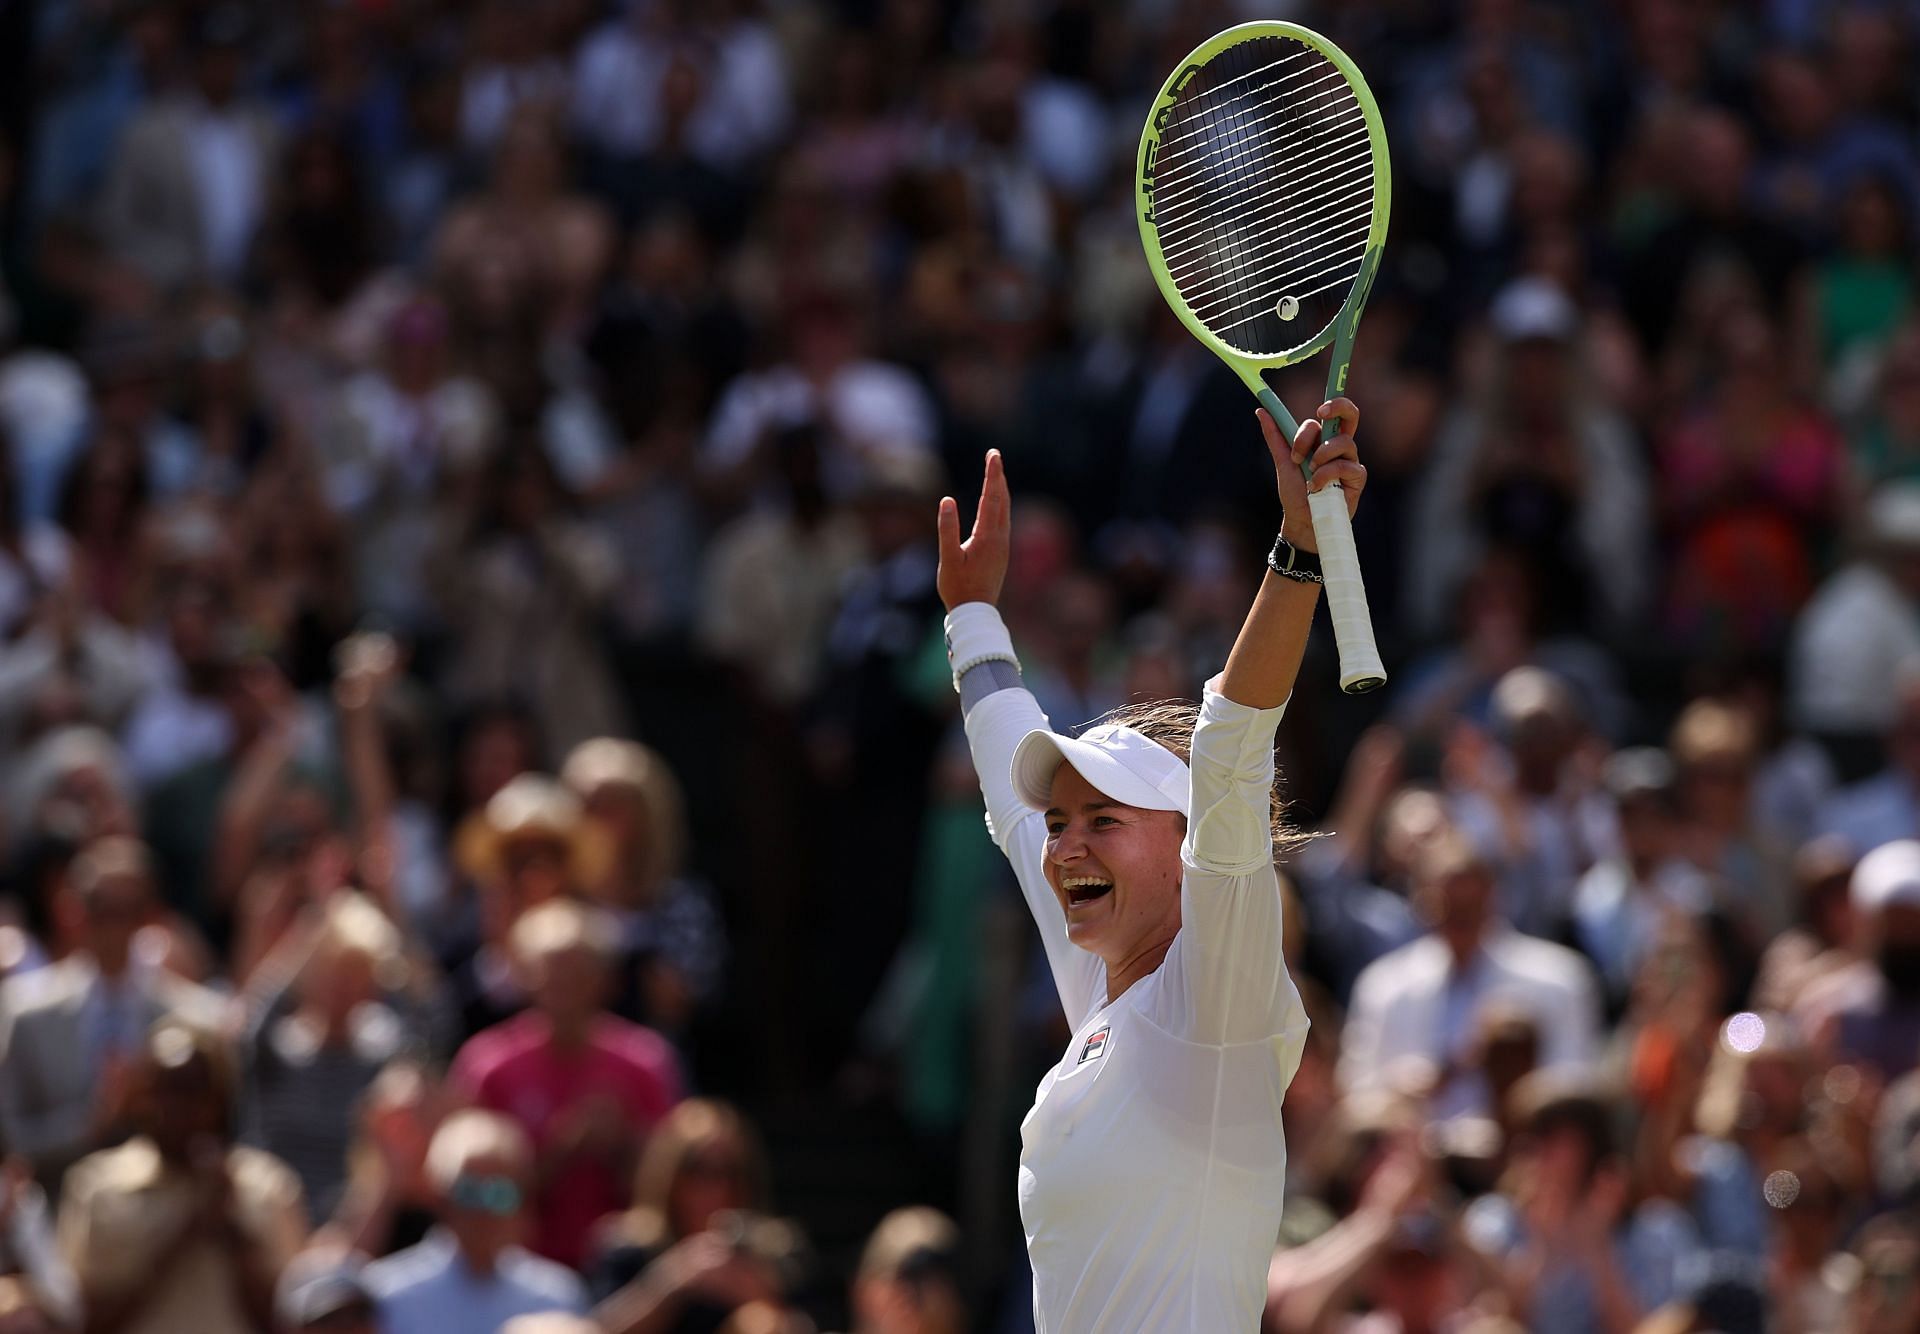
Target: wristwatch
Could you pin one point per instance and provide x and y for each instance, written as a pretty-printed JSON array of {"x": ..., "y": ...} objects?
[{"x": 1290, "y": 562}]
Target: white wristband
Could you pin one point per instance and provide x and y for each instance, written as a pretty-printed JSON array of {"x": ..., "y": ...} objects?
[{"x": 976, "y": 634}]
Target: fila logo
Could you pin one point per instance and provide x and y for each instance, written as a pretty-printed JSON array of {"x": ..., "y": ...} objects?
[{"x": 1096, "y": 1044}]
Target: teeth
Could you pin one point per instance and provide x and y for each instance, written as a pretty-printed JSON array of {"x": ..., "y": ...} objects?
[{"x": 1082, "y": 881}]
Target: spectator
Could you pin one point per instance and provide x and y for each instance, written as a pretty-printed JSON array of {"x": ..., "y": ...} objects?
[
  {"x": 1882, "y": 1298},
  {"x": 470, "y": 1272},
  {"x": 774, "y": 577},
  {"x": 1715, "y": 748},
  {"x": 392, "y": 437},
  {"x": 668, "y": 937},
  {"x": 75, "y": 1032},
  {"x": 1541, "y": 467},
  {"x": 1870, "y": 1011},
  {"x": 1886, "y": 806},
  {"x": 1523, "y": 797},
  {"x": 1885, "y": 441},
  {"x": 702, "y": 1163},
  {"x": 1391, "y": 1246},
  {"x": 188, "y": 184},
  {"x": 1415, "y": 1011},
  {"x": 529, "y": 845},
  {"x": 331, "y": 1007},
  {"x": 1750, "y": 1105},
  {"x": 324, "y": 1291},
  {"x": 179, "y": 1228},
  {"x": 1620, "y": 901},
  {"x": 584, "y": 1086},
  {"x": 908, "y": 1281},
  {"x": 722, "y": 80},
  {"x": 1571, "y": 1247},
  {"x": 1353, "y": 884},
  {"x": 520, "y": 576},
  {"x": 1857, "y": 635},
  {"x": 1754, "y": 483}
]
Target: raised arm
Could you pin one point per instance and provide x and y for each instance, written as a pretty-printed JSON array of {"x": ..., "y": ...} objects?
[
  {"x": 999, "y": 711},
  {"x": 1231, "y": 982},
  {"x": 1266, "y": 655}
]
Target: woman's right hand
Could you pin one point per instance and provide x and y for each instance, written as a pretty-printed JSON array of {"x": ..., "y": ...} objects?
[
  {"x": 974, "y": 570},
  {"x": 707, "y": 1266}
]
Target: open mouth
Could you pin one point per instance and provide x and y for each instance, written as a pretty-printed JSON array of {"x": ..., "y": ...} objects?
[{"x": 1085, "y": 889}]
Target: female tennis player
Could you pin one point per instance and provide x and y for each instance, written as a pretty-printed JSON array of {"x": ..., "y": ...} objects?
[{"x": 1152, "y": 1162}]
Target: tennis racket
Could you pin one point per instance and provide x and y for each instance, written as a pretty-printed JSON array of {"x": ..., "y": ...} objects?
[{"x": 1263, "y": 197}]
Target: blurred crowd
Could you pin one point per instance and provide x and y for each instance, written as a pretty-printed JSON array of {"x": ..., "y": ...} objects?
[{"x": 485, "y": 835}]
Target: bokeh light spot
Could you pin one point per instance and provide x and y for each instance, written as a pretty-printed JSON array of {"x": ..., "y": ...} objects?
[
  {"x": 1745, "y": 1032},
  {"x": 1781, "y": 1189}
]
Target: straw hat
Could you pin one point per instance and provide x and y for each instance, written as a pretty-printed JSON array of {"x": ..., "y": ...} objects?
[{"x": 534, "y": 808}]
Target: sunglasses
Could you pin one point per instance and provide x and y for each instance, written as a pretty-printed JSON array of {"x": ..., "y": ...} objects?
[{"x": 499, "y": 1196}]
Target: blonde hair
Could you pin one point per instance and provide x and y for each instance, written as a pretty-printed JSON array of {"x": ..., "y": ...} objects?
[
  {"x": 1710, "y": 729},
  {"x": 693, "y": 1125},
  {"x": 472, "y": 1134},
  {"x": 549, "y": 1322},
  {"x": 640, "y": 773},
  {"x": 352, "y": 924},
  {"x": 1170, "y": 723},
  {"x": 901, "y": 1235},
  {"x": 560, "y": 926}
]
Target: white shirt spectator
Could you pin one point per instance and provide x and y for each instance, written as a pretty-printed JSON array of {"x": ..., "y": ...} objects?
[
  {"x": 1413, "y": 1007},
  {"x": 1068, "y": 134},
  {"x": 870, "y": 405},
  {"x": 743, "y": 110},
  {"x": 1849, "y": 648},
  {"x": 227, "y": 173}
]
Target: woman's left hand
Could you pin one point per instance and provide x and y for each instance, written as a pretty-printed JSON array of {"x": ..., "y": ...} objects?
[{"x": 1334, "y": 460}]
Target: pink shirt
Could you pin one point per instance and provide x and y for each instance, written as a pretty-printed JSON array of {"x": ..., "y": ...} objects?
[{"x": 515, "y": 1069}]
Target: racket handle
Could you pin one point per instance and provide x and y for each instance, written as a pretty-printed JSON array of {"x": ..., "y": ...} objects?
[{"x": 1360, "y": 667}]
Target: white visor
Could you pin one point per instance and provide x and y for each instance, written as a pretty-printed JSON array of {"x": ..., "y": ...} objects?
[{"x": 1120, "y": 763}]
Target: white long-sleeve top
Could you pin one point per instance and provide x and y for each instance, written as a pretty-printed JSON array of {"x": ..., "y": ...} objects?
[{"x": 1153, "y": 1159}]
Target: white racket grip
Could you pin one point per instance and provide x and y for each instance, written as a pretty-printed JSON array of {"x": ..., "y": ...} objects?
[{"x": 1360, "y": 667}]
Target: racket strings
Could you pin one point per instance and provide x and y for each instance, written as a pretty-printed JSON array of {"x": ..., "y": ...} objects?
[
  {"x": 1263, "y": 211},
  {"x": 1334, "y": 219},
  {"x": 1214, "y": 124},
  {"x": 1265, "y": 265},
  {"x": 1302, "y": 54},
  {"x": 1276, "y": 140},
  {"x": 1266, "y": 202},
  {"x": 1307, "y": 81}
]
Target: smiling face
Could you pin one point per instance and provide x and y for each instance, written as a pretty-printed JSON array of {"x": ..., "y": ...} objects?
[{"x": 1115, "y": 869}]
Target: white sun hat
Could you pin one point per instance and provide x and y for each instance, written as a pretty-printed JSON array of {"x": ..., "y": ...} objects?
[
  {"x": 1120, "y": 763},
  {"x": 1887, "y": 876}
]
